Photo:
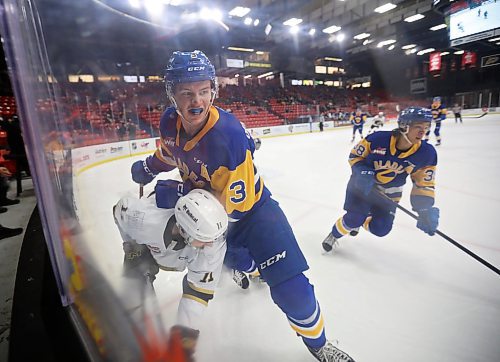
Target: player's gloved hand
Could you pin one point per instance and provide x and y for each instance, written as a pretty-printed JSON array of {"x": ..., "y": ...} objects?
[
  {"x": 168, "y": 192},
  {"x": 142, "y": 173},
  {"x": 185, "y": 337},
  {"x": 364, "y": 180},
  {"x": 428, "y": 220},
  {"x": 138, "y": 262}
]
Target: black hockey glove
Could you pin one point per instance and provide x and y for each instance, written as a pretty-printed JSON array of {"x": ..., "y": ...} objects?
[{"x": 138, "y": 262}]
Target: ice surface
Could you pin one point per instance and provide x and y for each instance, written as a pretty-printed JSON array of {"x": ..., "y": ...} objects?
[{"x": 405, "y": 297}]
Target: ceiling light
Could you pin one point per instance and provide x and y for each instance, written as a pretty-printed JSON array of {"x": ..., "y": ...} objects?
[
  {"x": 340, "y": 37},
  {"x": 361, "y": 36},
  {"x": 367, "y": 41},
  {"x": 259, "y": 52},
  {"x": 494, "y": 39},
  {"x": 239, "y": 11},
  {"x": 265, "y": 75},
  {"x": 438, "y": 27},
  {"x": 331, "y": 29},
  {"x": 425, "y": 51},
  {"x": 268, "y": 29},
  {"x": 391, "y": 47},
  {"x": 458, "y": 52},
  {"x": 292, "y": 22},
  {"x": 294, "y": 29},
  {"x": 413, "y": 18},
  {"x": 312, "y": 32},
  {"x": 210, "y": 14},
  {"x": 385, "y": 42},
  {"x": 247, "y": 76},
  {"x": 238, "y": 49},
  {"x": 248, "y": 21},
  {"x": 135, "y": 4},
  {"x": 333, "y": 59},
  {"x": 256, "y": 22},
  {"x": 409, "y": 46},
  {"x": 444, "y": 53},
  {"x": 384, "y": 8}
]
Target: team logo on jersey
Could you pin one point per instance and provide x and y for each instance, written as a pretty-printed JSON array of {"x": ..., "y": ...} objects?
[
  {"x": 388, "y": 171},
  {"x": 380, "y": 151},
  {"x": 273, "y": 260}
]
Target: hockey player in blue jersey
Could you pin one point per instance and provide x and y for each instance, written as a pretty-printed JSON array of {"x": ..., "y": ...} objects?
[
  {"x": 211, "y": 150},
  {"x": 380, "y": 166},
  {"x": 357, "y": 119},
  {"x": 438, "y": 115}
]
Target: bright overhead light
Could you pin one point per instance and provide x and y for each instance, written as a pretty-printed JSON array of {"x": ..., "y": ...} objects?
[
  {"x": 210, "y": 14},
  {"x": 425, "y": 51},
  {"x": 438, "y": 27},
  {"x": 413, "y": 18},
  {"x": 134, "y": 3},
  {"x": 411, "y": 51},
  {"x": 238, "y": 49},
  {"x": 409, "y": 46},
  {"x": 265, "y": 75},
  {"x": 361, "y": 36},
  {"x": 333, "y": 59},
  {"x": 494, "y": 39},
  {"x": 256, "y": 22},
  {"x": 331, "y": 29},
  {"x": 385, "y": 42},
  {"x": 248, "y": 21},
  {"x": 294, "y": 29},
  {"x": 247, "y": 76},
  {"x": 444, "y": 53},
  {"x": 391, "y": 47},
  {"x": 340, "y": 37},
  {"x": 268, "y": 29},
  {"x": 239, "y": 11},
  {"x": 312, "y": 32},
  {"x": 259, "y": 52},
  {"x": 458, "y": 52},
  {"x": 292, "y": 22},
  {"x": 384, "y": 8},
  {"x": 367, "y": 41}
]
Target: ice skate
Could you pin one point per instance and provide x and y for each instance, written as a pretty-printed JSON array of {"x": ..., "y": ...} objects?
[
  {"x": 330, "y": 353},
  {"x": 241, "y": 279},
  {"x": 330, "y": 243}
]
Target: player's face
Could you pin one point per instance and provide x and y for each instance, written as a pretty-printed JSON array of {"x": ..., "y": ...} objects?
[
  {"x": 417, "y": 131},
  {"x": 193, "y": 102}
]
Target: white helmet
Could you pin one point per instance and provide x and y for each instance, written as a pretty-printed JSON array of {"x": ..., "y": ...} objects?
[{"x": 200, "y": 216}]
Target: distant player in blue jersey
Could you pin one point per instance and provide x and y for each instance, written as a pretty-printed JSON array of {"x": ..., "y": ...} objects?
[
  {"x": 438, "y": 115},
  {"x": 380, "y": 165},
  {"x": 357, "y": 119},
  {"x": 212, "y": 151}
]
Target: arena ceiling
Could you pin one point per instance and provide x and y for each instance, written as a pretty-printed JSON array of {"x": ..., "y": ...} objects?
[{"x": 93, "y": 33}]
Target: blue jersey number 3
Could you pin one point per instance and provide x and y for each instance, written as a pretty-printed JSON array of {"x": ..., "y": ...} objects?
[{"x": 238, "y": 191}]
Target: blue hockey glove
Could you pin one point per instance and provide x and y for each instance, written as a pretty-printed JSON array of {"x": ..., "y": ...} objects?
[
  {"x": 142, "y": 172},
  {"x": 168, "y": 192},
  {"x": 428, "y": 220},
  {"x": 364, "y": 180}
]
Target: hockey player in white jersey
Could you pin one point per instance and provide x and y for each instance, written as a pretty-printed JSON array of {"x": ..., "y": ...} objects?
[
  {"x": 191, "y": 236},
  {"x": 377, "y": 122}
]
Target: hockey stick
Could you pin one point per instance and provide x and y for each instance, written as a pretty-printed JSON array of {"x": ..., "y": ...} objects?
[
  {"x": 444, "y": 236},
  {"x": 141, "y": 191}
]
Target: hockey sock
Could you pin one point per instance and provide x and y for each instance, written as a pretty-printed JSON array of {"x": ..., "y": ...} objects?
[{"x": 296, "y": 299}]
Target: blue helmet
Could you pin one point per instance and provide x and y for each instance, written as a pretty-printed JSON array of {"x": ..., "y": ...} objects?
[
  {"x": 188, "y": 67},
  {"x": 413, "y": 114},
  {"x": 436, "y": 100}
]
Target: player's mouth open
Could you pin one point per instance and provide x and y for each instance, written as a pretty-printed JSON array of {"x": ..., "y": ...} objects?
[{"x": 196, "y": 111}]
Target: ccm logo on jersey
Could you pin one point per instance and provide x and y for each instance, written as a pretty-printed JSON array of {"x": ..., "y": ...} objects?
[
  {"x": 169, "y": 141},
  {"x": 379, "y": 151},
  {"x": 272, "y": 260},
  {"x": 192, "y": 69}
]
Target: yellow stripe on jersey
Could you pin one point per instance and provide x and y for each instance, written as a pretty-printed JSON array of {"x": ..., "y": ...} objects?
[
  {"x": 359, "y": 152},
  {"x": 236, "y": 188},
  {"x": 411, "y": 151},
  {"x": 417, "y": 191},
  {"x": 196, "y": 299},
  {"x": 309, "y": 332},
  {"x": 213, "y": 117},
  {"x": 340, "y": 227},
  {"x": 201, "y": 290},
  {"x": 425, "y": 177}
]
